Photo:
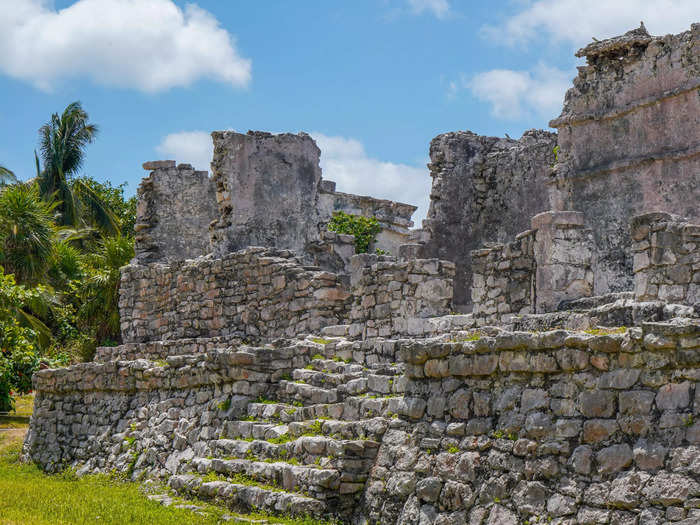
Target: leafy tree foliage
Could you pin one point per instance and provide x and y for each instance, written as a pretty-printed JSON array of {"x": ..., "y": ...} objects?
[
  {"x": 365, "y": 229},
  {"x": 63, "y": 238}
]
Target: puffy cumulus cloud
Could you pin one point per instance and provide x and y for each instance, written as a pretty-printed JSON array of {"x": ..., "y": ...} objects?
[
  {"x": 345, "y": 161},
  {"x": 515, "y": 94},
  {"x": 190, "y": 147},
  {"x": 572, "y": 21},
  {"x": 439, "y": 8},
  {"x": 149, "y": 45}
]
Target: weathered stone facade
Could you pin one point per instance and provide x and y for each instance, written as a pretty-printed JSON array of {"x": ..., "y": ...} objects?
[
  {"x": 485, "y": 189},
  {"x": 266, "y": 189},
  {"x": 264, "y": 293},
  {"x": 553, "y": 427},
  {"x": 629, "y": 141},
  {"x": 256, "y": 292},
  {"x": 666, "y": 258},
  {"x": 388, "y": 293},
  {"x": 544, "y": 267},
  {"x": 175, "y": 206},
  {"x": 503, "y": 278}
]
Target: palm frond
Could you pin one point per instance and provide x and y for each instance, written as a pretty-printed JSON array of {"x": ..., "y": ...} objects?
[
  {"x": 99, "y": 210},
  {"x": 6, "y": 176}
]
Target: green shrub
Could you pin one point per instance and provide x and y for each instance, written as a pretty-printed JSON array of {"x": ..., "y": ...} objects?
[
  {"x": 18, "y": 361},
  {"x": 365, "y": 229}
]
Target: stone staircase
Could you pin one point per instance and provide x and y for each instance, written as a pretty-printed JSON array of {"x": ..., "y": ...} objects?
[{"x": 304, "y": 450}]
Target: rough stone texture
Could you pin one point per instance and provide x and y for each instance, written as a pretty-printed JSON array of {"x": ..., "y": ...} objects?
[
  {"x": 389, "y": 293},
  {"x": 485, "y": 189},
  {"x": 394, "y": 416},
  {"x": 504, "y": 278},
  {"x": 666, "y": 252},
  {"x": 532, "y": 429},
  {"x": 549, "y": 265},
  {"x": 628, "y": 138},
  {"x": 266, "y": 189},
  {"x": 255, "y": 292},
  {"x": 564, "y": 252},
  {"x": 175, "y": 206},
  {"x": 261, "y": 293}
]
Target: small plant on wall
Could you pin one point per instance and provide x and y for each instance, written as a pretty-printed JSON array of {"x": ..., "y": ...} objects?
[{"x": 365, "y": 229}]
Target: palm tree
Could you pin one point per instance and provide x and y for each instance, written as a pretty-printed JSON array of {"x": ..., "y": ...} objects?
[
  {"x": 27, "y": 232},
  {"x": 99, "y": 294},
  {"x": 62, "y": 142},
  {"x": 6, "y": 176}
]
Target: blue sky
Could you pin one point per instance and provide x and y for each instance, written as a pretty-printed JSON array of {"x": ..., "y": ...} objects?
[{"x": 372, "y": 80}]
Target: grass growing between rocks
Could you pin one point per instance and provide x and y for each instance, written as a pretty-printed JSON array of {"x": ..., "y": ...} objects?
[{"x": 30, "y": 497}]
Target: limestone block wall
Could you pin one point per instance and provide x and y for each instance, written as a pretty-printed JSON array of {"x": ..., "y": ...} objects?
[
  {"x": 266, "y": 189},
  {"x": 666, "y": 258},
  {"x": 485, "y": 189},
  {"x": 564, "y": 258},
  {"x": 388, "y": 293},
  {"x": 256, "y": 292},
  {"x": 544, "y": 267},
  {"x": 556, "y": 427},
  {"x": 175, "y": 206},
  {"x": 144, "y": 418},
  {"x": 503, "y": 278},
  {"x": 629, "y": 143}
]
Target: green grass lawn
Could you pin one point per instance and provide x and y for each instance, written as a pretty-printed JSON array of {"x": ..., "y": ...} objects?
[{"x": 30, "y": 497}]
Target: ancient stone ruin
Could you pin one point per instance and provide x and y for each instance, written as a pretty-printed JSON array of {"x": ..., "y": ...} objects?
[{"x": 266, "y": 366}]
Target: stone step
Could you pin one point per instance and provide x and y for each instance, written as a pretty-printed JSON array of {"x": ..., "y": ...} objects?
[
  {"x": 354, "y": 457},
  {"x": 313, "y": 480},
  {"x": 287, "y": 413},
  {"x": 361, "y": 429},
  {"x": 335, "y": 367},
  {"x": 246, "y": 498},
  {"x": 307, "y": 394},
  {"x": 323, "y": 379},
  {"x": 370, "y": 406}
]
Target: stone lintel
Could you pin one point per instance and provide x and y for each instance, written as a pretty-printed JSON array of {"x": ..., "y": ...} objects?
[{"x": 158, "y": 165}]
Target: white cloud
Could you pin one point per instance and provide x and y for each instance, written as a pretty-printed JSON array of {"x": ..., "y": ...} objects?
[
  {"x": 190, "y": 147},
  {"x": 439, "y": 8},
  {"x": 514, "y": 94},
  {"x": 576, "y": 22},
  {"x": 343, "y": 160},
  {"x": 149, "y": 45}
]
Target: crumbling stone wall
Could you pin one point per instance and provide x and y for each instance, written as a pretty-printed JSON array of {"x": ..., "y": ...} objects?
[
  {"x": 503, "y": 278},
  {"x": 485, "y": 189},
  {"x": 266, "y": 293},
  {"x": 267, "y": 190},
  {"x": 388, "y": 293},
  {"x": 175, "y": 206},
  {"x": 544, "y": 267},
  {"x": 270, "y": 193},
  {"x": 666, "y": 258},
  {"x": 256, "y": 292},
  {"x": 554, "y": 426},
  {"x": 628, "y": 138},
  {"x": 564, "y": 257},
  {"x": 84, "y": 414}
]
